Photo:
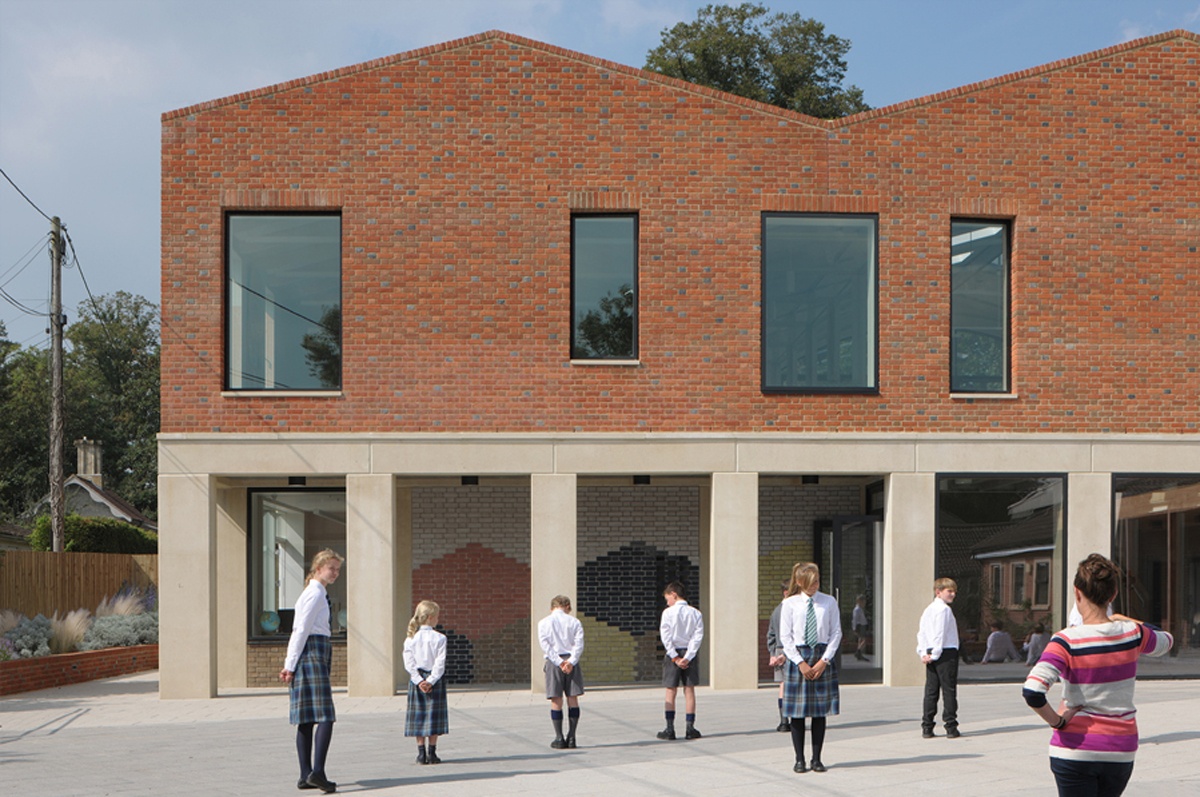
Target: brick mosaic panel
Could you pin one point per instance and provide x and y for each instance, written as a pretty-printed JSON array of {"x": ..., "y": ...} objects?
[
  {"x": 471, "y": 556},
  {"x": 632, "y": 541}
]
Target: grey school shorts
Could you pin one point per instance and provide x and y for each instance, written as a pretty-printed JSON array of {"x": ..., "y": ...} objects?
[
  {"x": 559, "y": 683},
  {"x": 673, "y": 676}
]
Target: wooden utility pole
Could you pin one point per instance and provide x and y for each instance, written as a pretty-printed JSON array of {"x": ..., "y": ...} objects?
[{"x": 57, "y": 433}]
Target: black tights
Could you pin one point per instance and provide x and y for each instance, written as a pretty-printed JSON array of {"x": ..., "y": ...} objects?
[
  {"x": 818, "y": 734},
  {"x": 312, "y": 751}
]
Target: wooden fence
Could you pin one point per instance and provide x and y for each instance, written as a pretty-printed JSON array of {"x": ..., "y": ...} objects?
[{"x": 41, "y": 582}]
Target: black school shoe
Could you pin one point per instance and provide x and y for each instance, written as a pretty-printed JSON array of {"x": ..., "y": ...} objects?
[
  {"x": 321, "y": 782},
  {"x": 303, "y": 784},
  {"x": 800, "y": 767},
  {"x": 666, "y": 734},
  {"x": 927, "y": 733},
  {"x": 559, "y": 744},
  {"x": 952, "y": 733},
  {"x": 571, "y": 742},
  {"x": 816, "y": 765},
  {"x": 784, "y": 727},
  {"x": 432, "y": 758},
  {"x": 691, "y": 733}
]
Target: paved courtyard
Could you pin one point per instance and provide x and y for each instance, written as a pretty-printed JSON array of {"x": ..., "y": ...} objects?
[{"x": 116, "y": 737}]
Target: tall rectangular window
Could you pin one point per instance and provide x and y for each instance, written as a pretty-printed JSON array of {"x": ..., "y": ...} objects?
[
  {"x": 820, "y": 288},
  {"x": 1041, "y": 583},
  {"x": 997, "y": 584},
  {"x": 283, "y": 301},
  {"x": 979, "y": 345},
  {"x": 1018, "y": 584},
  {"x": 604, "y": 287}
]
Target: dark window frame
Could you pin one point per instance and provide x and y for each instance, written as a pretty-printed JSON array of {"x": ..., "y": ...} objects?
[
  {"x": 871, "y": 390},
  {"x": 628, "y": 214},
  {"x": 1008, "y": 224},
  {"x": 254, "y": 636},
  {"x": 226, "y": 299}
]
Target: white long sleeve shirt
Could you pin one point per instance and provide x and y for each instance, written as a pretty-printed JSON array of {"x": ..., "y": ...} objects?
[
  {"x": 561, "y": 634},
  {"x": 425, "y": 650},
  {"x": 311, "y": 619},
  {"x": 792, "y": 619},
  {"x": 681, "y": 627},
  {"x": 938, "y": 630}
]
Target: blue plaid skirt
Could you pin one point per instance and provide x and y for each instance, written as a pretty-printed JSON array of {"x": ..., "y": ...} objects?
[
  {"x": 805, "y": 698},
  {"x": 426, "y": 714},
  {"x": 311, "y": 697}
]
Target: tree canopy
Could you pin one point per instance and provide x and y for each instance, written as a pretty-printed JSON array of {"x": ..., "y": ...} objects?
[
  {"x": 111, "y": 384},
  {"x": 782, "y": 59}
]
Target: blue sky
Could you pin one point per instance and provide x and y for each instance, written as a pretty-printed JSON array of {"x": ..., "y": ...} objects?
[{"x": 83, "y": 84}]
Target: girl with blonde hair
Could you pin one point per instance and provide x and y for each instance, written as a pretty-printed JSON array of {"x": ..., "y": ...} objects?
[
  {"x": 427, "y": 717},
  {"x": 810, "y": 632},
  {"x": 306, "y": 671}
]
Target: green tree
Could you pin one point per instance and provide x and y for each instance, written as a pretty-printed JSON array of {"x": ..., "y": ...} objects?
[
  {"x": 112, "y": 372},
  {"x": 782, "y": 59}
]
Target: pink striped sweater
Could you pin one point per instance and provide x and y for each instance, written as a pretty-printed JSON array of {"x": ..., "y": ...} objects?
[{"x": 1098, "y": 667}]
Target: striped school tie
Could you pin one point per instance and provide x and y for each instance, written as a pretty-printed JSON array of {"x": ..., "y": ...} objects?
[{"x": 810, "y": 625}]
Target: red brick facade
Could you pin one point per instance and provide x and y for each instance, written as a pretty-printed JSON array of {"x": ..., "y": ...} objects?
[{"x": 456, "y": 169}]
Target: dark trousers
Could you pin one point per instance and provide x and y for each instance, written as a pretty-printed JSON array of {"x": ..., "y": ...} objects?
[
  {"x": 941, "y": 675},
  {"x": 1090, "y": 778}
]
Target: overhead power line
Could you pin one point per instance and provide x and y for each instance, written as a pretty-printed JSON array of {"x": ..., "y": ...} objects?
[{"x": 22, "y": 193}]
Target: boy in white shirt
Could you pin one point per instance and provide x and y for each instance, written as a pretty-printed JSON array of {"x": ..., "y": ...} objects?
[
  {"x": 561, "y": 638},
  {"x": 937, "y": 645},
  {"x": 681, "y": 632}
]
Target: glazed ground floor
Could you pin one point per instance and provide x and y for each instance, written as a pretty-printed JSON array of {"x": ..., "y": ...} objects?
[{"x": 493, "y": 526}]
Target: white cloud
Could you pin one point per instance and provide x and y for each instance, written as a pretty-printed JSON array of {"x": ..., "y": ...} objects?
[{"x": 1134, "y": 30}]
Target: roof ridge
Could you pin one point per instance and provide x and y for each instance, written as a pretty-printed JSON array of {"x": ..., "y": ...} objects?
[
  {"x": 1011, "y": 77},
  {"x": 408, "y": 55}
]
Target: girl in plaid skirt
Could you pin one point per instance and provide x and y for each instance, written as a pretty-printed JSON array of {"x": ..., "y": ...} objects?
[
  {"x": 425, "y": 660},
  {"x": 306, "y": 670},
  {"x": 810, "y": 632}
]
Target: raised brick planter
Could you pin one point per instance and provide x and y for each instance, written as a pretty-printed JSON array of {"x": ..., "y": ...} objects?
[{"x": 44, "y": 672}]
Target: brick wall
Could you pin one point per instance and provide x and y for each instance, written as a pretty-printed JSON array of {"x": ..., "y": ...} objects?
[
  {"x": 456, "y": 169},
  {"x": 263, "y": 662},
  {"x": 47, "y": 672}
]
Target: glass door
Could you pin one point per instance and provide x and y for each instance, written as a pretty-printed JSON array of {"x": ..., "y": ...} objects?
[{"x": 852, "y": 572}]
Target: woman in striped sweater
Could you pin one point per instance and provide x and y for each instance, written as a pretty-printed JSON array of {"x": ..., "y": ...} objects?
[{"x": 1095, "y": 736}]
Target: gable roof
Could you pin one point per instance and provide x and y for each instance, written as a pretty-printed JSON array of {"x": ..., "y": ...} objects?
[{"x": 676, "y": 83}]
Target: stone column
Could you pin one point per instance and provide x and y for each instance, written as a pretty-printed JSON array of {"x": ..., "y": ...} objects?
[
  {"x": 552, "y": 554},
  {"x": 731, "y": 617},
  {"x": 232, "y": 542},
  {"x": 372, "y": 618},
  {"x": 187, "y": 607},
  {"x": 909, "y": 540},
  {"x": 1089, "y": 528}
]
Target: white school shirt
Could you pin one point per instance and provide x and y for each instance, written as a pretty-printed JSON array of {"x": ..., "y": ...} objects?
[
  {"x": 311, "y": 619},
  {"x": 559, "y": 633},
  {"x": 938, "y": 630},
  {"x": 792, "y": 619},
  {"x": 681, "y": 627},
  {"x": 425, "y": 650}
]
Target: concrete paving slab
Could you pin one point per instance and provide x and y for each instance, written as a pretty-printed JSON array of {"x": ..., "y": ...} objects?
[{"x": 116, "y": 737}]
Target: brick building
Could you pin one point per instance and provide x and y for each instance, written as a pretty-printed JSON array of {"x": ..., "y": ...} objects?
[{"x": 499, "y": 320}]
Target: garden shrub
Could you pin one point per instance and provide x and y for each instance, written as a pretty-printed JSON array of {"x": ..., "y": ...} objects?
[
  {"x": 94, "y": 535},
  {"x": 118, "y": 630},
  {"x": 7, "y": 653},
  {"x": 31, "y": 637}
]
